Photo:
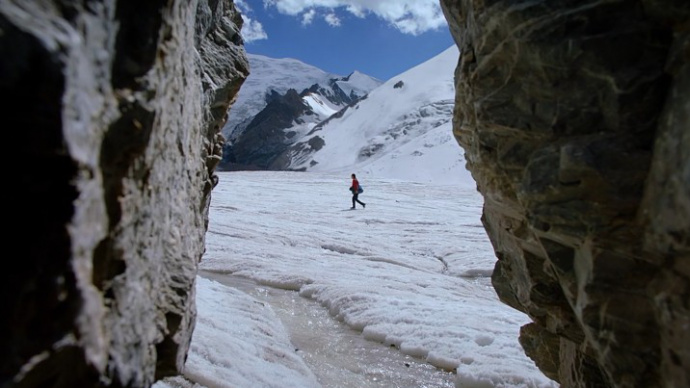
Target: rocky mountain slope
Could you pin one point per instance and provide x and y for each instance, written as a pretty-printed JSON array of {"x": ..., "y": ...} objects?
[
  {"x": 401, "y": 129},
  {"x": 271, "y": 77},
  {"x": 281, "y": 101}
]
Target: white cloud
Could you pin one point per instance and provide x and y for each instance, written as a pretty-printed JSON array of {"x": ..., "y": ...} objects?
[
  {"x": 409, "y": 16},
  {"x": 356, "y": 10},
  {"x": 252, "y": 29},
  {"x": 308, "y": 17},
  {"x": 332, "y": 20}
]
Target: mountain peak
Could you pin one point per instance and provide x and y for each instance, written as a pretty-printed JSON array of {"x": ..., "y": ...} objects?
[
  {"x": 399, "y": 133},
  {"x": 357, "y": 123},
  {"x": 277, "y": 75},
  {"x": 357, "y": 84},
  {"x": 280, "y": 102}
]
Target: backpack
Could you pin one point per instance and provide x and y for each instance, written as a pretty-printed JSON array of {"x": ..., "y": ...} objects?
[{"x": 360, "y": 189}]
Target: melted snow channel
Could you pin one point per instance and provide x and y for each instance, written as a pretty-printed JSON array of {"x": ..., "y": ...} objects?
[{"x": 337, "y": 355}]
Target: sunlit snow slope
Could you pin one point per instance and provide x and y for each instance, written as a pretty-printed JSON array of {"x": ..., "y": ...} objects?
[{"x": 402, "y": 130}]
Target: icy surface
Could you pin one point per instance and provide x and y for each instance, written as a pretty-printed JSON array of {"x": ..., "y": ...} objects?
[{"x": 410, "y": 271}]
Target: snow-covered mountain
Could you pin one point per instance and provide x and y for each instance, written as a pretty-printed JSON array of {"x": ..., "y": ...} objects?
[
  {"x": 271, "y": 77},
  {"x": 357, "y": 84},
  {"x": 402, "y": 130}
]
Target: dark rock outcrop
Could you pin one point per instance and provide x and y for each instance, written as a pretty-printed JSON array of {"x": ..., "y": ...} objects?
[
  {"x": 303, "y": 149},
  {"x": 113, "y": 112},
  {"x": 575, "y": 120},
  {"x": 259, "y": 142},
  {"x": 268, "y": 135},
  {"x": 272, "y": 77},
  {"x": 269, "y": 143}
]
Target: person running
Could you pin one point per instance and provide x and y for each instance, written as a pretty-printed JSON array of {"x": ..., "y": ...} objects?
[{"x": 355, "y": 192}]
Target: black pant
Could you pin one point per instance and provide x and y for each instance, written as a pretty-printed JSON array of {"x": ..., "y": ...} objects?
[{"x": 354, "y": 198}]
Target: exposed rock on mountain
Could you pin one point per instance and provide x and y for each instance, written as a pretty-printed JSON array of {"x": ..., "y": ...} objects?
[
  {"x": 574, "y": 119},
  {"x": 115, "y": 108},
  {"x": 270, "y": 76},
  {"x": 353, "y": 87},
  {"x": 287, "y": 118},
  {"x": 402, "y": 131},
  {"x": 266, "y": 136}
]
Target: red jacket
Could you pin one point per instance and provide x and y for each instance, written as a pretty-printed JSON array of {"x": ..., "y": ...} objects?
[{"x": 355, "y": 185}]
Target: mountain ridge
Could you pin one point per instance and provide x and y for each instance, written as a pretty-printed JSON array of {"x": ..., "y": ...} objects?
[
  {"x": 269, "y": 75},
  {"x": 402, "y": 129}
]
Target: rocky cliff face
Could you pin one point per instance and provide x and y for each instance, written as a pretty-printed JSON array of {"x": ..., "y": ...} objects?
[
  {"x": 113, "y": 112},
  {"x": 575, "y": 119},
  {"x": 268, "y": 134},
  {"x": 259, "y": 142},
  {"x": 272, "y": 77}
]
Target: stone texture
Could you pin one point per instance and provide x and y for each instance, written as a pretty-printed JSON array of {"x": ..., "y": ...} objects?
[
  {"x": 575, "y": 122},
  {"x": 113, "y": 113},
  {"x": 268, "y": 134}
]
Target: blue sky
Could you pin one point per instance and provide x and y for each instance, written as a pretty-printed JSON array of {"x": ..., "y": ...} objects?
[{"x": 381, "y": 38}]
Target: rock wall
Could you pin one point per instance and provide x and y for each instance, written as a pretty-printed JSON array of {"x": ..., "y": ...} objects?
[
  {"x": 575, "y": 119},
  {"x": 268, "y": 134},
  {"x": 113, "y": 111}
]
